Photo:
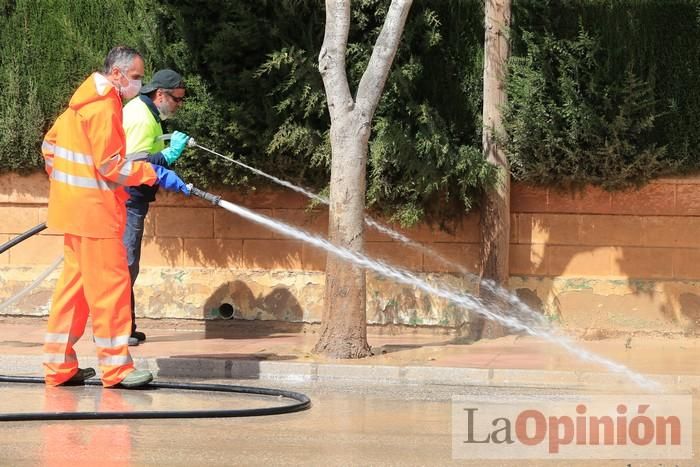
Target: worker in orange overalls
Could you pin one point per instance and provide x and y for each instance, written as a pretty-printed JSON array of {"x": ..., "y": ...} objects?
[{"x": 85, "y": 158}]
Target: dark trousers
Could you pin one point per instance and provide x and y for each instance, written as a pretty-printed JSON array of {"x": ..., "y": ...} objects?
[{"x": 133, "y": 234}]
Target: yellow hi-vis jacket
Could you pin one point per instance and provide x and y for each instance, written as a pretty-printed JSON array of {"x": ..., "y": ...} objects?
[
  {"x": 141, "y": 128},
  {"x": 84, "y": 154}
]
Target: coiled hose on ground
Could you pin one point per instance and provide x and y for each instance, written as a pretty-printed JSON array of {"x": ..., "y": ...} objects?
[{"x": 302, "y": 402}]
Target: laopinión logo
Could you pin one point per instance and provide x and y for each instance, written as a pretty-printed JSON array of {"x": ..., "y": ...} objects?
[{"x": 583, "y": 426}]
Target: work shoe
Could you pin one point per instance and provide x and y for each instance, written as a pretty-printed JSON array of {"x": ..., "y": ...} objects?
[
  {"x": 80, "y": 377},
  {"x": 135, "y": 379},
  {"x": 139, "y": 335},
  {"x": 136, "y": 338}
]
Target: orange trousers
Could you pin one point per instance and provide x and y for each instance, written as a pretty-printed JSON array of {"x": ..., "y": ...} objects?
[{"x": 95, "y": 282}]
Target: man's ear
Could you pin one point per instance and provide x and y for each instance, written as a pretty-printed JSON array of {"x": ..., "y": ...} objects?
[{"x": 114, "y": 73}]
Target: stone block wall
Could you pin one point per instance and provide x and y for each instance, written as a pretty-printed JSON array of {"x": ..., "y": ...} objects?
[
  {"x": 591, "y": 260},
  {"x": 625, "y": 260}
]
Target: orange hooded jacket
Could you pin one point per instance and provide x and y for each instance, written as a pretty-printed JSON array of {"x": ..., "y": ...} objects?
[{"x": 84, "y": 155}]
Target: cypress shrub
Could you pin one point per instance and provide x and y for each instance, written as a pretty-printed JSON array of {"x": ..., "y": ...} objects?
[
  {"x": 603, "y": 92},
  {"x": 260, "y": 60},
  {"x": 47, "y": 49},
  {"x": 600, "y": 91}
]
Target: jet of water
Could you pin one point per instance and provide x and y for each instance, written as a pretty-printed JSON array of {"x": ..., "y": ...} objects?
[
  {"x": 279, "y": 181},
  {"x": 468, "y": 302},
  {"x": 511, "y": 301}
]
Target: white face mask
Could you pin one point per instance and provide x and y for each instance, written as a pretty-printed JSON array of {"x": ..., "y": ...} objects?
[{"x": 132, "y": 89}]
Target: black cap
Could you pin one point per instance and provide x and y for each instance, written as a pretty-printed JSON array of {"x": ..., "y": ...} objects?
[{"x": 163, "y": 79}]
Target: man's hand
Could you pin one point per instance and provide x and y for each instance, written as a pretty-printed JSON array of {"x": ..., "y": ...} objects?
[
  {"x": 169, "y": 180},
  {"x": 178, "y": 142}
]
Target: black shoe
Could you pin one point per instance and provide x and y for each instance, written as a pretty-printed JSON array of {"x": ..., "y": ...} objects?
[
  {"x": 80, "y": 377},
  {"x": 139, "y": 336}
]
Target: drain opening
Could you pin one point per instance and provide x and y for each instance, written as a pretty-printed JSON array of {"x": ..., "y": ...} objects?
[{"x": 226, "y": 310}]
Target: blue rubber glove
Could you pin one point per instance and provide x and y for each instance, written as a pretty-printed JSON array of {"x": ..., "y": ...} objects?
[
  {"x": 169, "y": 180},
  {"x": 178, "y": 142}
]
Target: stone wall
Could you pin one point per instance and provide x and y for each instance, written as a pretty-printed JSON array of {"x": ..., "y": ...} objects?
[
  {"x": 625, "y": 261},
  {"x": 593, "y": 260}
]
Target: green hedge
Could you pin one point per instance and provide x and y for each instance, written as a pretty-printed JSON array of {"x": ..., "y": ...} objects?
[
  {"x": 604, "y": 92},
  {"x": 47, "y": 48},
  {"x": 601, "y": 92},
  {"x": 260, "y": 61}
]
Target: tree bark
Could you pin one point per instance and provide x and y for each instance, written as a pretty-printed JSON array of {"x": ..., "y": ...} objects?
[
  {"x": 495, "y": 209},
  {"x": 344, "y": 328},
  {"x": 344, "y": 320}
]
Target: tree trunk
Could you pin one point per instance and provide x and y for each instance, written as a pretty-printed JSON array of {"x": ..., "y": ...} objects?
[
  {"x": 344, "y": 328},
  {"x": 344, "y": 321},
  {"x": 495, "y": 210}
]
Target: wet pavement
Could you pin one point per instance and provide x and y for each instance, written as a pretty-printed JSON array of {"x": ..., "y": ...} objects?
[
  {"x": 234, "y": 341},
  {"x": 365, "y": 412},
  {"x": 347, "y": 425}
]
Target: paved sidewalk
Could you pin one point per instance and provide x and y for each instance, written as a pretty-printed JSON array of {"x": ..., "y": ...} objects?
[{"x": 210, "y": 351}]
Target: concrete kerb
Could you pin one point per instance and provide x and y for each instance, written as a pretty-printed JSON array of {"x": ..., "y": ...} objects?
[
  {"x": 387, "y": 374},
  {"x": 292, "y": 371}
]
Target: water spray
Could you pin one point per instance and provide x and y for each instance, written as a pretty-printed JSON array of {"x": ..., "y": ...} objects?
[
  {"x": 457, "y": 297},
  {"x": 468, "y": 302},
  {"x": 492, "y": 286},
  {"x": 193, "y": 144}
]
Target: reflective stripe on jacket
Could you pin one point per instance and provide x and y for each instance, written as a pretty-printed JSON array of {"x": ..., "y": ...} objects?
[{"x": 84, "y": 153}]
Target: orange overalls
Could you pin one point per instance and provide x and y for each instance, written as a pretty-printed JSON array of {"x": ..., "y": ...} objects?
[{"x": 84, "y": 153}]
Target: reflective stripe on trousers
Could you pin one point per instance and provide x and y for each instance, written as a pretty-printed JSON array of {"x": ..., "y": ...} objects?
[{"x": 95, "y": 282}]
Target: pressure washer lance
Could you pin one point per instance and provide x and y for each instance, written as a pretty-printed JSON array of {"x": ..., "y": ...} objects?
[
  {"x": 192, "y": 143},
  {"x": 213, "y": 199}
]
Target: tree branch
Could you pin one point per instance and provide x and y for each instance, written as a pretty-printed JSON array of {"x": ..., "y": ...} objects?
[
  {"x": 374, "y": 77},
  {"x": 331, "y": 59}
]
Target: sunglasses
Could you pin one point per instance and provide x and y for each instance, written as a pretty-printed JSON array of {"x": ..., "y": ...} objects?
[{"x": 175, "y": 98}]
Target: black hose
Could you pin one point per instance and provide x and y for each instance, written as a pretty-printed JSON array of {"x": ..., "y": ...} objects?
[
  {"x": 33, "y": 231},
  {"x": 302, "y": 403}
]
